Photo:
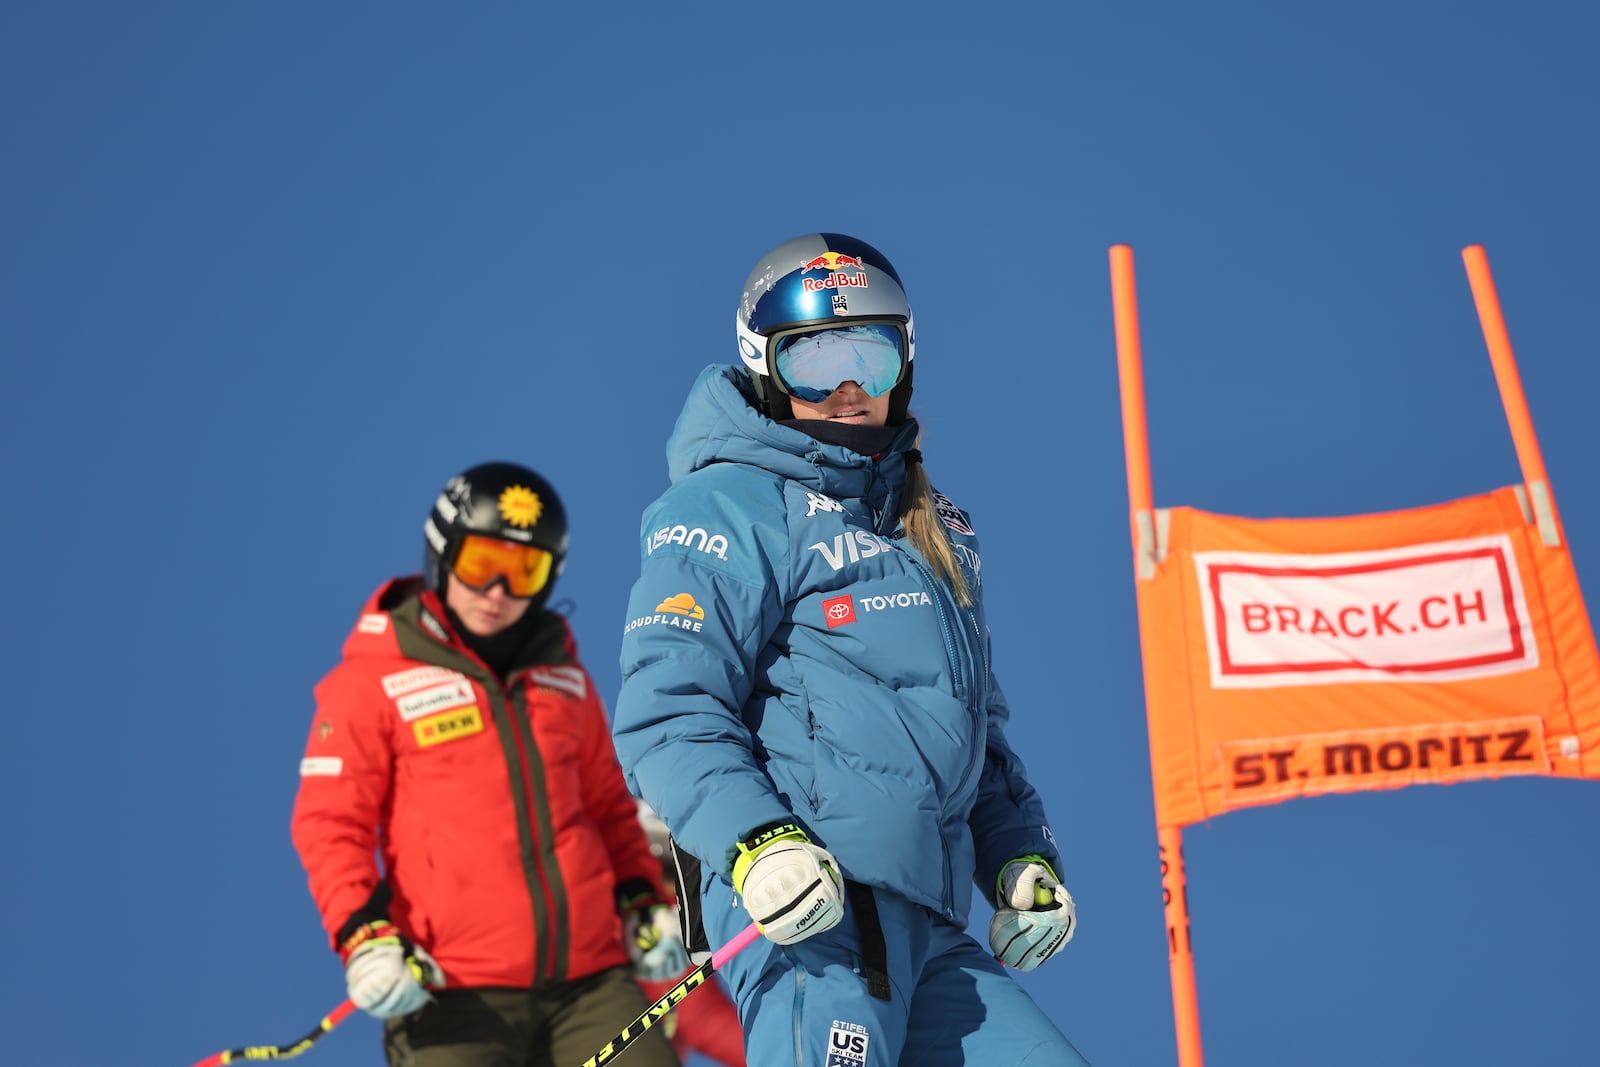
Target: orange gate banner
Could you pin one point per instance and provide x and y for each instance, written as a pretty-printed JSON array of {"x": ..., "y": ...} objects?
[{"x": 1296, "y": 657}]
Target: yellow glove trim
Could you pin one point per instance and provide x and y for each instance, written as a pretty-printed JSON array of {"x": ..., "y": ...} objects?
[
  {"x": 1041, "y": 895},
  {"x": 749, "y": 849}
]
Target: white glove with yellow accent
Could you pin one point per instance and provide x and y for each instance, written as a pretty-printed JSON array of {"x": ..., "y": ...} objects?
[
  {"x": 386, "y": 974},
  {"x": 790, "y": 887},
  {"x": 1035, "y": 914},
  {"x": 650, "y": 932},
  {"x": 654, "y": 943}
]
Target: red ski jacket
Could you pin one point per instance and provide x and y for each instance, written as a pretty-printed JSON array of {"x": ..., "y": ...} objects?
[{"x": 499, "y": 811}]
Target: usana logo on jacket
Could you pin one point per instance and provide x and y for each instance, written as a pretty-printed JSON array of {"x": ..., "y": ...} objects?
[{"x": 697, "y": 538}]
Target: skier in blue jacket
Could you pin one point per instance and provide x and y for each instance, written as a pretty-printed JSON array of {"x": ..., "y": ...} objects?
[{"x": 808, "y": 702}]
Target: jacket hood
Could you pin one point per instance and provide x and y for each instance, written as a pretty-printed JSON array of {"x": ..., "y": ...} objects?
[{"x": 720, "y": 424}]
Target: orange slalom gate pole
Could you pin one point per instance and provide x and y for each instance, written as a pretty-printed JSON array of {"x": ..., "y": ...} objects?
[
  {"x": 1136, "y": 447},
  {"x": 1505, "y": 371}
]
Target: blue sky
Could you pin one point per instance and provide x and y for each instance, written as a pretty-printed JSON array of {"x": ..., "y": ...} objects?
[{"x": 269, "y": 274}]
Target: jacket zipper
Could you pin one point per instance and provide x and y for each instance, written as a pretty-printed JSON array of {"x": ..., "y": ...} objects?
[
  {"x": 545, "y": 941},
  {"x": 959, "y": 691}
]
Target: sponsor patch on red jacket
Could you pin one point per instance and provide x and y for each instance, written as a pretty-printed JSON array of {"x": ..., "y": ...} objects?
[
  {"x": 448, "y": 726},
  {"x": 417, "y": 677},
  {"x": 569, "y": 680},
  {"x": 456, "y": 693},
  {"x": 319, "y": 766}
]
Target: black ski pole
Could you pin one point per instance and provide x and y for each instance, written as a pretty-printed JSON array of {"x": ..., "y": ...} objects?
[
  {"x": 280, "y": 1052},
  {"x": 674, "y": 996}
]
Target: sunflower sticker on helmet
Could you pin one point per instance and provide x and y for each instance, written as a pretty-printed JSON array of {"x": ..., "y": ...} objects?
[{"x": 520, "y": 506}]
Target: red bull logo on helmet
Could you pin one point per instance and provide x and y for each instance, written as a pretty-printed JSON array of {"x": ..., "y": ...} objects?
[
  {"x": 836, "y": 280},
  {"x": 830, "y": 261},
  {"x": 837, "y": 276}
]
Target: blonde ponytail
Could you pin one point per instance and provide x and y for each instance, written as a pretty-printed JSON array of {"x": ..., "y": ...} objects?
[{"x": 926, "y": 530}]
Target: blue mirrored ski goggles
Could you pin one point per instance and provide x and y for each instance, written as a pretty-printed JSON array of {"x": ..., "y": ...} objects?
[{"x": 811, "y": 363}]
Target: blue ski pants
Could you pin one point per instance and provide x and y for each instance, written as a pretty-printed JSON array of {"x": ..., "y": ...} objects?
[{"x": 950, "y": 1003}]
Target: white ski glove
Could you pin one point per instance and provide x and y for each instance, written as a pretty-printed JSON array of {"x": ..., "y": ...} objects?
[
  {"x": 654, "y": 943},
  {"x": 1035, "y": 914},
  {"x": 385, "y": 974},
  {"x": 790, "y": 887},
  {"x": 650, "y": 932}
]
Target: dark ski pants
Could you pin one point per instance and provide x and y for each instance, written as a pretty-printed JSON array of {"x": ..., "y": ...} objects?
[{"x": 561, "y": 1026}]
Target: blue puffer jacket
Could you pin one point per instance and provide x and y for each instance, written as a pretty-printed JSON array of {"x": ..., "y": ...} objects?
[{"x": 788, "y": 654}]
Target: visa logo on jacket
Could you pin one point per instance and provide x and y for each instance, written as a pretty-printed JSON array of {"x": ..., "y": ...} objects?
[{"x": 852, "y": 546}]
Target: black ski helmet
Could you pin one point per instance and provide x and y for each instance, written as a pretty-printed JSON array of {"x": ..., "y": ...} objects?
[
  {"x": 501, "y": 500},
  {"x": 819, "y": 279}
]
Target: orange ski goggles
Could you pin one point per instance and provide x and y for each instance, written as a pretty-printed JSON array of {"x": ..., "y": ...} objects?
[{"x": 482, "y": 561}]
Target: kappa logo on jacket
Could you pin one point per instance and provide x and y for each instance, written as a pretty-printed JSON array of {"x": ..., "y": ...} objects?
[{"x": 816, "y": 502}]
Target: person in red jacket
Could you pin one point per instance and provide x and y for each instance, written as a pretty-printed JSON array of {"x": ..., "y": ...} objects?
[{"x": 461, "y": 742}]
